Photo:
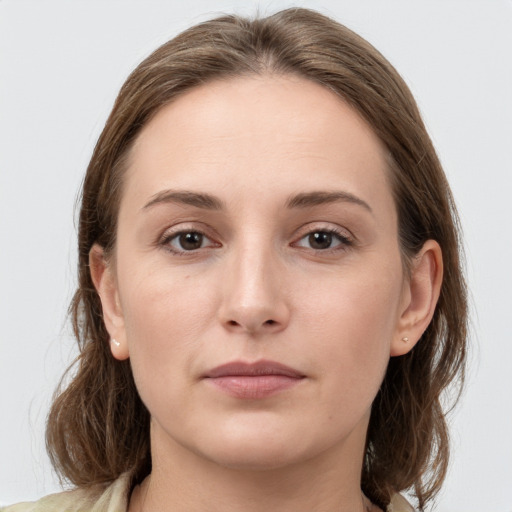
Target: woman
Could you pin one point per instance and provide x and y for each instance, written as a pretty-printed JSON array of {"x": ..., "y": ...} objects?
[{"x": 270, "y": 290}]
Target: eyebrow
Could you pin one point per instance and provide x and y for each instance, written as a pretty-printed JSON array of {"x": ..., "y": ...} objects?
[
  {"x": 199, "y": 200},
  {"x": 210, "y": 202},
  {"x": 309, "y": 199}
]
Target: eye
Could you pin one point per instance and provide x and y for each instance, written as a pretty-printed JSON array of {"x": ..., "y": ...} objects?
[
  {"x": 186, "y": 241},
  {"x": 321, "y": 240}
]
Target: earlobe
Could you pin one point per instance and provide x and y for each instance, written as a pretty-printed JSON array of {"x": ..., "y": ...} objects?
[
  {"x": 119, "y": 349},
  {"x": 104, "y": 282},
  {"x": 421, "y": 294}
]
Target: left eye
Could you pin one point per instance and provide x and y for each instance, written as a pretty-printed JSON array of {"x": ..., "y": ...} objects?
[{"x": 322, "y": 240}]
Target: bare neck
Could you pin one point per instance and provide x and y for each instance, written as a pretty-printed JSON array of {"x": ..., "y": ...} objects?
[{"x": 186, "y": 481}]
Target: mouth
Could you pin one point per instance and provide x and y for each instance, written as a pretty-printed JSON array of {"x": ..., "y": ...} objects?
[{"x": 253, "y": 381}]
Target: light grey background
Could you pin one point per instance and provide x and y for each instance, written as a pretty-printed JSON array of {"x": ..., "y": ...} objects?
[{"x": 61, "y": 65}]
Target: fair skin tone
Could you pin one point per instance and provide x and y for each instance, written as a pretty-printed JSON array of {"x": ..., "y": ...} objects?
[{"x": 257, "y": 224}]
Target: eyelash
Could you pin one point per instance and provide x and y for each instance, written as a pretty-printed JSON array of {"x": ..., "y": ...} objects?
[
  {"x": 345, "y": 241},
  {"x": 168, "y": 238}
]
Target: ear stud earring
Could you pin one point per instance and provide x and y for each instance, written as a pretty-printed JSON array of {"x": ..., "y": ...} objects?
[
  {"x": 405, "y": 339},
  {"x": 115, "y": 342}
]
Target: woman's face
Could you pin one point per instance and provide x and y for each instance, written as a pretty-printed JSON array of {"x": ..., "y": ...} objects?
[{"x": 257, "y": 230}]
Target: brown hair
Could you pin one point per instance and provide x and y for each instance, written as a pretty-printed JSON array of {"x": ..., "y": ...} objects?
[{"x": 98, "y": 427}]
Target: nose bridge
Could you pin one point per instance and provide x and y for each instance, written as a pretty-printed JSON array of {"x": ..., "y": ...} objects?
[{"x": 253, "y": 294}]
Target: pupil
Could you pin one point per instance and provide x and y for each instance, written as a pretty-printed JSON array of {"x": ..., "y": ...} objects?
[
  {"x": 191, "y": 241},
  {"x": 320, "y": 240}
]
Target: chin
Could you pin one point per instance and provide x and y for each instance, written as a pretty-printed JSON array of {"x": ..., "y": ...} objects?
[
  {"x": 261, "y": 449},
  {"x": 256, "y": 457}
]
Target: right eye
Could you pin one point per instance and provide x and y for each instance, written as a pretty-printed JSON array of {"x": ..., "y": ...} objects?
[{"x": 186, "y": 241}]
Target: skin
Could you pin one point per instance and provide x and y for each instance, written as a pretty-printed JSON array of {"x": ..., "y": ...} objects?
[{"x": 257, "y": 287}]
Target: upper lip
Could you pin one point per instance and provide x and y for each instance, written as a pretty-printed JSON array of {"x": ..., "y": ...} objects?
[{"x": 258, "y": 368}]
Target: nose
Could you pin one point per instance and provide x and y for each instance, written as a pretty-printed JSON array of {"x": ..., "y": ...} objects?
[{"x": 254, "y": 298}]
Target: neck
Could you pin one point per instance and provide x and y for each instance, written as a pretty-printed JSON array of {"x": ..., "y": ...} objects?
[{"x": 183, "y": 480}]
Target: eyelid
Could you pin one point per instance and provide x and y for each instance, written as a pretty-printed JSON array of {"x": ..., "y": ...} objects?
[
  {"x": 345, "y": 237},
  {"x": 173, "y": 232}
]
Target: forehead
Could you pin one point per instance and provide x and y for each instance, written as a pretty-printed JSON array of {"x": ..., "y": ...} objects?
[{"x": 246, "y": 133}]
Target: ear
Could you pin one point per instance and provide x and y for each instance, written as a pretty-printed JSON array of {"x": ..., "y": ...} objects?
[
  {"x": 420, "y": 296},
  {"x": 104, "y": 281}
]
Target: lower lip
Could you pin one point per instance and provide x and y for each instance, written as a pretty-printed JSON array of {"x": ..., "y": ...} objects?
[{"x": 253, "y": 387}]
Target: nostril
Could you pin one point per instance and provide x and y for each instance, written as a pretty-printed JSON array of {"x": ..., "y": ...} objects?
[{"x": 251, "y": 325}]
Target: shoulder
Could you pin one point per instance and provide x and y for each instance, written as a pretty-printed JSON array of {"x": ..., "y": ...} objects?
[
  {"x": 399, "y": 504},
  {"x": 72, "y": 501},
  {"x": 99, "y": 498}
]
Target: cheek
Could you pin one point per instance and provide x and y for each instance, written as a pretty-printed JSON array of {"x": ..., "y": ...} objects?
[
  {"x": 165, "y": 315},
  {"x": 352, "y": 321}
]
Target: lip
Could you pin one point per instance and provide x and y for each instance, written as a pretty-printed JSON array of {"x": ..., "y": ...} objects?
[{"x": 256, "y": 380}]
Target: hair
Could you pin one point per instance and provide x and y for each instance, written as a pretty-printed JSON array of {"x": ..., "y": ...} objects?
[{"x": 98, "y": 426}]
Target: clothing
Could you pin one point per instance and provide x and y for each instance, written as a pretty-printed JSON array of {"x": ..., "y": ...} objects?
[
  {"x": 99, "y": 498},
  {"x": 115, "y": 497}
]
